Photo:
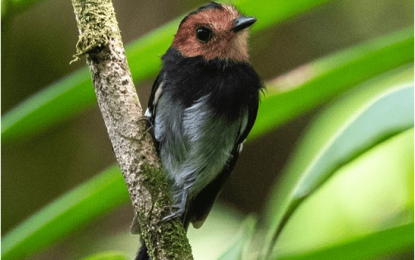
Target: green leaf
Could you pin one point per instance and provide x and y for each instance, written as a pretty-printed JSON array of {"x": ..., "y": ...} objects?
[
  {"x": 330, "y": 77},
  {"x": 72, "y": 94},
  {"x": 372, "y": 192},
  {"x": 388, "y": 113},
  {"x": 66, "y": 214},
  {"x": 326, "y": 125},
  {"x": 383, "y": 243},
  {"x": 239, "y": 249},
  {"x": 75, "y": 93},
  {"x": 107, "y": 256}
]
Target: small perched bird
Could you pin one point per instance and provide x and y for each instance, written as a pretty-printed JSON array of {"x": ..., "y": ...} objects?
[{"x": 202, "y": 106}]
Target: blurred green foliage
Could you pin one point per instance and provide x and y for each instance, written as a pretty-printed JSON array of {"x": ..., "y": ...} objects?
[
  {"x": 107, "y": 256},
  {"x": 367, "y": 124},
  {"x": 330, "y": 77},
  {"x": 347, "y": 191},
  {"x": 374, "y": 245},
  {"x": 240, "y": 248},
  {"x": 82, "y": 205}
]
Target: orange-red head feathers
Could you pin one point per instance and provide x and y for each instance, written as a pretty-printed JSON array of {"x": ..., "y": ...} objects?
[{"x": 214, "y": 31}]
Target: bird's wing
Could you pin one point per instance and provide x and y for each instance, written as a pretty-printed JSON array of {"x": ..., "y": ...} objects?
[
  {"x": 199, "y": 207},
  {"x": 154, "y": 96},
  {"x": 245, "y": 129}
]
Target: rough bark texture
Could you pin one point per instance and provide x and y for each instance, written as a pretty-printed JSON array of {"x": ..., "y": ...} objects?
[{"x": 133, "y": 146}]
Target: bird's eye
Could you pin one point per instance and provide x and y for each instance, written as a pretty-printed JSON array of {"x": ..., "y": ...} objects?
[{"x": 203, "y": 34}]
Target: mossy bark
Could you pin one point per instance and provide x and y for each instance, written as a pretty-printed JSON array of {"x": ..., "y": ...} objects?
[{"x": 100, "y": 41}]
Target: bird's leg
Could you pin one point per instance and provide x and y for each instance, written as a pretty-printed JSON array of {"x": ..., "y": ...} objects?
[
  {"x": 180, "y": 208},
  {"x": 143, "y": 118},
  {"x": 150, "y": 125}
]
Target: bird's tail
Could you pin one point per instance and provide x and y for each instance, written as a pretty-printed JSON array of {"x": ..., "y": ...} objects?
[{"x": 142, "y": 252}]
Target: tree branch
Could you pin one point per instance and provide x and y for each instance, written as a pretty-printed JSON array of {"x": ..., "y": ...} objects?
[{"x": 133, "y": 146}]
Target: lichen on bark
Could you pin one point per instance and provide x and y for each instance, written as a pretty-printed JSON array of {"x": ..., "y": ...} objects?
[
  {"x": 133, "y": 146},
  {"x": 96, "y": 23}
]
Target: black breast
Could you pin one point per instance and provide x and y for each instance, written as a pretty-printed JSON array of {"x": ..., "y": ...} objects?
[{"x": 232, "y": 86}]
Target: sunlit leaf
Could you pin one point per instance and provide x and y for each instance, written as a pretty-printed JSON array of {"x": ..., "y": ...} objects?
[
  {"x": 325, "y": 125},
  {"x": 388, "y": 113},
  {"x": 372, "y": 192},
  {"x": 387, "y": 242}
]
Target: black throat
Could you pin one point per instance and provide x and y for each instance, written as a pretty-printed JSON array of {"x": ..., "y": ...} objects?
[{"x": 232, "y": 86}]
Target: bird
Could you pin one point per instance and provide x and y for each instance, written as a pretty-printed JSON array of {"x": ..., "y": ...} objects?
[{"x": 202, "y": 106}]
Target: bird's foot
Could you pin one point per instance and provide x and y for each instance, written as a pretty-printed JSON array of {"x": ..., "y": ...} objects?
[
  {"x": 178, "y": 212},
  {"x": 150, "y": 126},
  {"x": 179, "y": 208}
]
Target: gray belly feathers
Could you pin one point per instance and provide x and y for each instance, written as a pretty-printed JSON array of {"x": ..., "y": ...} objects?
[{"x": 194, "y": 159}]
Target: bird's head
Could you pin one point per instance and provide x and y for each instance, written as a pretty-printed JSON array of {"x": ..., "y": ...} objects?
[{"x": 214, "y": 31}]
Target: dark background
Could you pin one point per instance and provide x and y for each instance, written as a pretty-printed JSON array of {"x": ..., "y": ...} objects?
[{"x": 38, "y": 44}]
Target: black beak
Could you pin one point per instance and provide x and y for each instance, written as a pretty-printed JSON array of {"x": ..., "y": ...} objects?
[{"x": 242, "y": 23}]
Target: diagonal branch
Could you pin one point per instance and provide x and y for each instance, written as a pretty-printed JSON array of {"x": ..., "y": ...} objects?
[{"x": 100, "y": 40}]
